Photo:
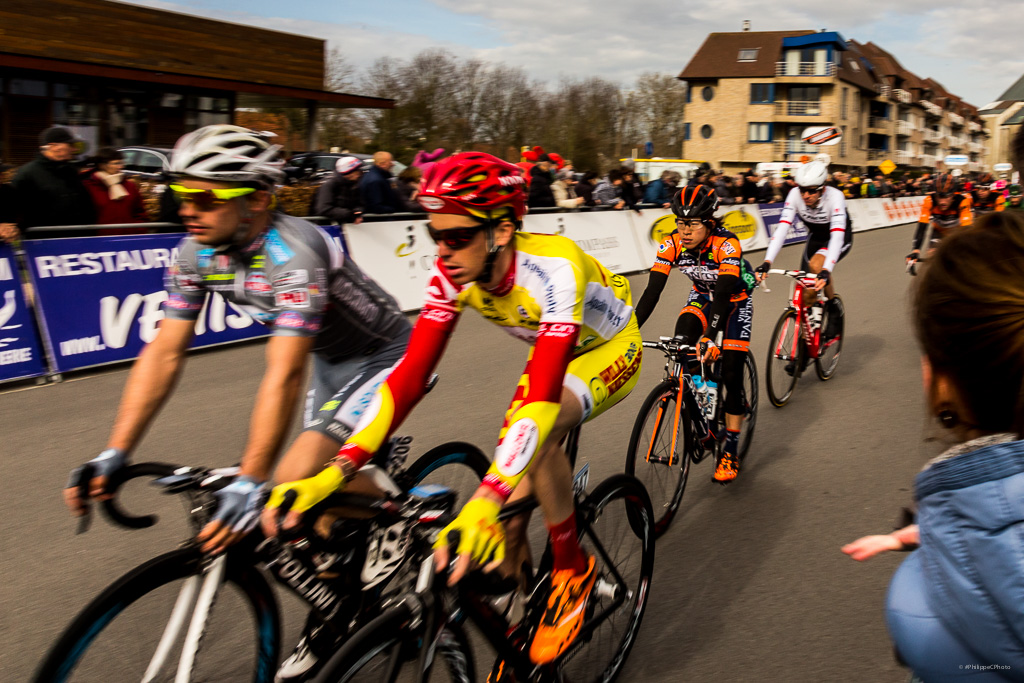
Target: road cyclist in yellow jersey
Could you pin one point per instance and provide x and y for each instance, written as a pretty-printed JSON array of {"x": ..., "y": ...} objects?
[{"x": 584, "y": 358}]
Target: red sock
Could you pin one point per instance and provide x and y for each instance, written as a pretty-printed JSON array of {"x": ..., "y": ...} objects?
[{"x": 565, "y": 547}]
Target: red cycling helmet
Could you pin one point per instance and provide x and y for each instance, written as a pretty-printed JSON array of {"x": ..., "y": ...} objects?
[{"x": 474, "y": 184}]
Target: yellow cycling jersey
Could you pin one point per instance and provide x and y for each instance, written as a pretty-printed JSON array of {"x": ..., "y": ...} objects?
[{"x": 551, "y": 281}]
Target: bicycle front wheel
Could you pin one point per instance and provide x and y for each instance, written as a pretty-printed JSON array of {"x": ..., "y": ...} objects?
[
  {"x": 750, "y": 396},
  {"x": 617, "y": 528},
  {"x": 785, "y": 358},
  {"x": 658, "y": 451},
  {"x": 138, "y": 628},
  {"x": 456, "y": 465},
  {"x": 828, "y": 357},
  {"x": 387, "y": 649}
]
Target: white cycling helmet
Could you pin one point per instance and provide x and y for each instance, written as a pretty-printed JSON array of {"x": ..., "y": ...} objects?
[
  {"x": 811, "y": 174},
  {"x": 228, "y": 154},
  {"x": 346, "y": 165}
]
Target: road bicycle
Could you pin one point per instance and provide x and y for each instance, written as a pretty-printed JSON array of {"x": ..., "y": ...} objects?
[
  {"x": 673, "y": 429},
  {"x": 615, "y": 525},
  {"x": 220, "y": 614},
  {"x": 797, "y": 340}
]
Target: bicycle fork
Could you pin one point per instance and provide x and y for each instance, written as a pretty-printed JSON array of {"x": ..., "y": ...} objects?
[{"x": 206, "y": 586}]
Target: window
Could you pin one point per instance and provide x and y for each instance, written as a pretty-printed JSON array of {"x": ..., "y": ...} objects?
[
  {"x": 706, "y": 131},
  {"x": 689, "y": 94},
  {"x": 749, "y": 55},
  {"x": 25, "y": 86},
  {"x": 762, "y": 93},
  {"x": 846, "y": 92},
  {"x": 707, "y": 92},
  {"x": 759, "y": 132},
  {"x": 842, "y": 143},
  {"x": 854, "y": 66},
  {"x": 804, "y": 93},
  {"x": 686, "y": 131}
]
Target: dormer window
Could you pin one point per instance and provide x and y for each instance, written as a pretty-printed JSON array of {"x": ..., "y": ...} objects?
[
  {"x": 854, "y": 66},
  {"x": 749, "y": 55}
]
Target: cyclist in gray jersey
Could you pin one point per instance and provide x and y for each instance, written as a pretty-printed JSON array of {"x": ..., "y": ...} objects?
[{"x": 289, "y": 275}]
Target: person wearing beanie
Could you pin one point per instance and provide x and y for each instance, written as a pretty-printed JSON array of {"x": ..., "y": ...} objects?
[{"x": 541, "y": 194}]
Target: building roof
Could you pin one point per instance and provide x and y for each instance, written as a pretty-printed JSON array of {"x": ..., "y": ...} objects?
[
  {"x": 830, "y": 38},
  {"x": 1015, "y": 93},
  {"x": 856, "y": 68},
  {"x": 1015, "y": 120},
  {"x": 718, "y": 56}
]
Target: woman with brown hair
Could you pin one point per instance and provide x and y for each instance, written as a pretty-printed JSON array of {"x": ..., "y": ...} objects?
[
  {"x": 956, "y": 606},
  {"x": 116, "y": 198}
]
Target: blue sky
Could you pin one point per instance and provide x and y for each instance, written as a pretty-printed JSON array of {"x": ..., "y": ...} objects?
[{"x": 972, "y": 50}]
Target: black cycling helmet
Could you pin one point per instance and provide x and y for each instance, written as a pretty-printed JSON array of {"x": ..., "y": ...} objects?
[
  {"x": 699, "y": 201},
  {"x": 944, "y": 184}
]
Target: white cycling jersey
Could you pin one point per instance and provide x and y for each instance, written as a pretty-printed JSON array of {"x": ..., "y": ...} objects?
[{"x": 826, "y": 220}]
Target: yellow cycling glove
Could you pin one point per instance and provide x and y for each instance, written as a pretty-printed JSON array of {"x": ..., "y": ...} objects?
[
  {"x": 309, "y": 491},
  {"x": 480, "y": 533}
]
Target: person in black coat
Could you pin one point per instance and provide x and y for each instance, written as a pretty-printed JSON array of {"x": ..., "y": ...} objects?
[
  {"x": 378, "y": 193},
  {"x": 541, "y": 194},
  {"x": 340, "y": 198},
  {"x": 49, "y": 191}
]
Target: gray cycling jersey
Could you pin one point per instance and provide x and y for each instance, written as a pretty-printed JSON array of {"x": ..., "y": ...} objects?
[{"x": 293, "y": 278}]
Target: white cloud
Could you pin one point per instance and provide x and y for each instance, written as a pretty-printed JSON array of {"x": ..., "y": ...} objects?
[{"x": 971, "y": 50}]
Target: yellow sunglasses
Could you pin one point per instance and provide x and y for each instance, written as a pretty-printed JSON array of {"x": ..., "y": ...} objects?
[{"x": 208, "y": 200}]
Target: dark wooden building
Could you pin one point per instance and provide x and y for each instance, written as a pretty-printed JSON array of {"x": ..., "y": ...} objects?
[{"x": 121, "y": 74}]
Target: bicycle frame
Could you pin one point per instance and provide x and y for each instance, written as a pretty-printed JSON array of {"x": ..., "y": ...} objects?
[{"x": 811, "y": 338}]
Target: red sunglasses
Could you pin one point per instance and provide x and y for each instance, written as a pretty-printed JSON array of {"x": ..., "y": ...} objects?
[{"x": 454, "y": 238}]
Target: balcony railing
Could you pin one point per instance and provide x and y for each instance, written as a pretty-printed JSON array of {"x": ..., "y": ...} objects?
[
  {"x": 904, "y": 128},
  {"x": 878, "y": 122},
  {"x": 785, "y": 148},
  {"x": 904, "y": 157},
  {"x": 930, "y": 107},
  {"x": 884, "y": 90},
  {"x": 799, "y": 108},
  {"x": 975, "y": 146},
  {"x": 878, "y": 154},
  {"x": 901, "y": 95},
  {"x": 929, "y": 160},
  {"x": 974, "y": 126},
  {"x": 805, "y": 69},
  {"x": 956, "y": 142},
  {"x": 956, "y": 120},
  {"x": 933, "y": 135}
]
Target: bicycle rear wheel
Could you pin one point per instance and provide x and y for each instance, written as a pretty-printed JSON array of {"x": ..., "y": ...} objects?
[
  {"x": 785, "y": 362},
  {"x": 386, "y": 650},
  {"x": 119, "y": 635},
  {"x": 617, "y": 528},
  {"x": 660, "y": 436},
  {"x": 828, "y": 358}
]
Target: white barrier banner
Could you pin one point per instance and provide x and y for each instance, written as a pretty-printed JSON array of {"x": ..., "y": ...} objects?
[
  {"x": 654, "y": 225},
  {"x": 606, "y": 235},
  {"x": 903, "y": 209},
  {"x": 397, "y": 255}
]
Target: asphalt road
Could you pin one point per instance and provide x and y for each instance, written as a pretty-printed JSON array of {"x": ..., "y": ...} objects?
[{"x": 750, "y": 584}]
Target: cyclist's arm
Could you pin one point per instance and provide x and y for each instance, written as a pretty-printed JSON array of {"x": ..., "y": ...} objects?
[
  {"x": 531, "y": 423},
  {"x": 725, "y": 286},
  {"x": 276, "y": 400},
  {"x": 667, "y": 253},
  {"x": 782, "y": 229},
  {"x": 151, "y": 381},
  {"x": 837, "y": 234},
  {"x": 922, "y": 223},
  {"x": 407, "y": 383}
]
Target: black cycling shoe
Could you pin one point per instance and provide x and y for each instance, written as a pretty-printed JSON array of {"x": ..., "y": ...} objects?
[
  {"x": 791, "y": 366},
  {"x": 835, "y": 317}
]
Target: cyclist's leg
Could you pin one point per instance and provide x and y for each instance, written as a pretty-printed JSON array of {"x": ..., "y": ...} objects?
[
  {"x": 735, "y": 345},
  {"x": 692, "y": 322}
]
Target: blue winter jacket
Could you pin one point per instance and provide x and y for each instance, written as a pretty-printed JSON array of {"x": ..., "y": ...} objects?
[{"x": 956, "y": 605}]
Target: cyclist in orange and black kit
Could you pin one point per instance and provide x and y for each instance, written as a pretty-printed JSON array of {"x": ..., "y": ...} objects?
[
  {"x": 944, "y": 209},
  {"x": 986, "y": 200},
  {"x": 719, "y": 301}
]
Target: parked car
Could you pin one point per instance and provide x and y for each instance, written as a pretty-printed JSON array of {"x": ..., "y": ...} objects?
[{"x": 146, "y": 163}]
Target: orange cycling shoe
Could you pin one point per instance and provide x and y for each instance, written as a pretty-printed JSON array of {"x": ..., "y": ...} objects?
[
  {"x": 500, "y": 673},
  {"x": 564, "y": 614},
  {"x": 726, "y": 469}
]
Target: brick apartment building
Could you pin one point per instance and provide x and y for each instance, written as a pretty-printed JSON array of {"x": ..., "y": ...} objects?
[{"x": 751, "y": 95}]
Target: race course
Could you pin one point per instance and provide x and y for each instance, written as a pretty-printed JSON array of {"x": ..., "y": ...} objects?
[{"x": 749, "y": 583}]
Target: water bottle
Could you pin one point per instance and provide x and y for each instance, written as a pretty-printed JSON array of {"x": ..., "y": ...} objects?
[
  {"x": 710, "y": 399},
  {"x": 814, "y": 316},
  {"x": 700, "y": 390}
]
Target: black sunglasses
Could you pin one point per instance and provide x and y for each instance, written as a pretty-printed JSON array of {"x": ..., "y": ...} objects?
[
  {"x": 455, "y": 238},
  {"x": 810, "y": 190}
]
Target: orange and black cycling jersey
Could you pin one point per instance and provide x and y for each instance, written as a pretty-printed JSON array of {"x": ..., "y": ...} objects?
[
  {"x": 957, "y": 213},
  {"x": 719, "y": 255},
  {"x": 993, "y": 202}
]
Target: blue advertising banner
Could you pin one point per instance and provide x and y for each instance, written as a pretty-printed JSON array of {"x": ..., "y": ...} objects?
[
  {"x": 20, "y": 355},
  {"x": 770, "y": 214},
  {"x": 101, "y": 298}
]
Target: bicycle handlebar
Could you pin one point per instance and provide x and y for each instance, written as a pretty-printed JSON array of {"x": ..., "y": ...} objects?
[{"x": 112, "y": 508}]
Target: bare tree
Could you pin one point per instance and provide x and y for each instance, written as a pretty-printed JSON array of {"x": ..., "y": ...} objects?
[{"x": 656, "y": 106}]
